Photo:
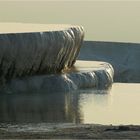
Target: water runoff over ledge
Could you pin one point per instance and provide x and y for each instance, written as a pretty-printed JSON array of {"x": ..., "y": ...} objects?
[{"x": 119, "y": 105}]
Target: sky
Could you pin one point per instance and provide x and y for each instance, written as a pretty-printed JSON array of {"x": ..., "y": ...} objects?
[{"x": 102, "y": 20}]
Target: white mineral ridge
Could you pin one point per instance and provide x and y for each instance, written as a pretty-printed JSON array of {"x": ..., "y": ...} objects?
[
  {"x": 124, "y": 57},
  {"x": 84, "y": 74},
  {"x": 30, "y": 49}
]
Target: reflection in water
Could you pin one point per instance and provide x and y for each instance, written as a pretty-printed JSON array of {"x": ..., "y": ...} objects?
[
  {"x": 120, "y": 106},
  {"x": 50, "y": 108},
  {"x": 53, "y": 107}
]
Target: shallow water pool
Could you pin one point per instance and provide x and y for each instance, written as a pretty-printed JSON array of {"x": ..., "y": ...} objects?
[{"x": 119, "y": 105}]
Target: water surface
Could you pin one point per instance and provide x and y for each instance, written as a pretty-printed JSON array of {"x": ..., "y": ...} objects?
[{"x": 120, "y": 105}]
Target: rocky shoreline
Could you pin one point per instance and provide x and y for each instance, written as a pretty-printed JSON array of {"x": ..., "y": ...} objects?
[{"x": 80, "y": 131}]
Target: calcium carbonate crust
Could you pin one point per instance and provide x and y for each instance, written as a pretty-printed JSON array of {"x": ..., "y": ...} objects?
[
  {"x": 34, "y": 53},
  {"x": 99, "y": 78}
]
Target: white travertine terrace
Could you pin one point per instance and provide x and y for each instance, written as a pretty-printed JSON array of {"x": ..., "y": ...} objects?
[
  {"x": 85, "y": 74},
  {"x": 30, "y": 49},
  {"x": 35, "y": 57}
]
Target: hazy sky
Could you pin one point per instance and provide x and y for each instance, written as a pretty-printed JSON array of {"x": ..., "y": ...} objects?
[{"x": 102, "y": 20}]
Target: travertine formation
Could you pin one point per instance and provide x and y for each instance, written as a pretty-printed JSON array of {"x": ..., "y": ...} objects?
[
  {"x": 30, "y": 49},
  {"x": 41, "y": 57},
  {"x": 124, "y": 57},
  {"x": 84, "y": 75}
]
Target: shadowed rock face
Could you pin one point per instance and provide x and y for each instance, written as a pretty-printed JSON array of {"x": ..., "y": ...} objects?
[{"x": 37, "y": 51}]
